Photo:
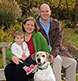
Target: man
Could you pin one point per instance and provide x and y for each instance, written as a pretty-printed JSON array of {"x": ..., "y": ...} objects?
[{"x": 52, "y": 31}]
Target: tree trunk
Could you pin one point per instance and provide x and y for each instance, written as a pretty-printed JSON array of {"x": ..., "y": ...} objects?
[
  {"x": 69, "y": 16},
  {"x": 57, "y": 11},
  {"x": 76, "y": 13}
]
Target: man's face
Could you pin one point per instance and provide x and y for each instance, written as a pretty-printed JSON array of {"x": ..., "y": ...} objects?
[{"x": 45, "y": 12}]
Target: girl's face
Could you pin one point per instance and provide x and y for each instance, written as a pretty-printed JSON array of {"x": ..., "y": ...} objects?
[
  {"x": 19, "y": 39},
  {"x": 29, "y": 26}
]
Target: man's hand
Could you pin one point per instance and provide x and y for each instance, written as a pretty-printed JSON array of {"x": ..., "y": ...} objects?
[{"x": 52, "y": 59}]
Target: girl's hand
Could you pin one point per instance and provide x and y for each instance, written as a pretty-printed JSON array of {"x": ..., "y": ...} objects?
[
  {"x": 16, "y": 60},
  {"x": 24, "y": 57}
]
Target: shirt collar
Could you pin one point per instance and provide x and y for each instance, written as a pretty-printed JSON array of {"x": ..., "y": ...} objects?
[{"x": 41, "y": 22}]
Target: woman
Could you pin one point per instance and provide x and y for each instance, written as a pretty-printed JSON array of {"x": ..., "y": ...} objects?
[{"x": 35, "y": 41}]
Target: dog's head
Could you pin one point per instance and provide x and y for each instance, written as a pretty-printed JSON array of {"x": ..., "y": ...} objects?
[{"x": 41, "y": 58}]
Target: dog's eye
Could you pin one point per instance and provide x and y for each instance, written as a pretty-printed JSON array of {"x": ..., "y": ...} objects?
[
  {"x": 37, "y": 55},
  {"x": 43, "y": 55}
]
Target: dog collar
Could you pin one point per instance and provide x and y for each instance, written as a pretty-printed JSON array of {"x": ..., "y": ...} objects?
[{"x": 43, "y": 67}]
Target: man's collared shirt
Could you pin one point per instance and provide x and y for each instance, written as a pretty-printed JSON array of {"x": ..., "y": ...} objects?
[{"x": 46, "y": 29}]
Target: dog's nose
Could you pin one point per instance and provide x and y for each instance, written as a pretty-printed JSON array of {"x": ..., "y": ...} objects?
[{"x": 39, "y": 59}]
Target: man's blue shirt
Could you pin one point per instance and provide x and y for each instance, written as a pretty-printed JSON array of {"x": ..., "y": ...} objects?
[{"x": 46, "y": 28}]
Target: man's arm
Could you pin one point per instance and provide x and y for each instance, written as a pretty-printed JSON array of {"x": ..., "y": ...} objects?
[{"x": 57, "y": 40}]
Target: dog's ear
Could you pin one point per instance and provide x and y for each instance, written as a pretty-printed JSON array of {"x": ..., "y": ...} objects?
[
  {"x": 50, "y": 57},
  {"x": 33, "y": 56}
]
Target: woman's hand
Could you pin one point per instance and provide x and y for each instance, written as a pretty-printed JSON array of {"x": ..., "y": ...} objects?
[
  {"x": 9, "y": 45},
  {"x": 16, "y": 60}
]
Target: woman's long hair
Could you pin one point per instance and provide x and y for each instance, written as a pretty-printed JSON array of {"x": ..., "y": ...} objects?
[{"x": 30, "y": 19}]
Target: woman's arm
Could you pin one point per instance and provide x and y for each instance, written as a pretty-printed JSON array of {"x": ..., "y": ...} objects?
[
  {"x": 12, "y": 57},
  {"x": 45, "y": 47},
  {"x": 9, "y": 53},
  {"x": 44, "y": 44}
]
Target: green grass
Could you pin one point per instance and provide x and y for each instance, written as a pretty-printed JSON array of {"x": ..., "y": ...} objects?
[
  {"x": 77, "y": 78},
  {"x": 69, "y": 37}
]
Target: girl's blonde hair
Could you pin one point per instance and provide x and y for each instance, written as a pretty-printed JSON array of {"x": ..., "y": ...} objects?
[{"x": 20, "y": 33}]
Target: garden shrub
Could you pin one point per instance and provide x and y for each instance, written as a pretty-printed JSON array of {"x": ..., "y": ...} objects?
[
  {"x": 68, "y": 24},
  {"x": 6, "y": 36},
  {"x": 34, "y": 12},
  {"x": 9, "y": 12}
]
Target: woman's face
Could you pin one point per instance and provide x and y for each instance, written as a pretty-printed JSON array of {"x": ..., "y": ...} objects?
[{"x": 29, "y": 26}]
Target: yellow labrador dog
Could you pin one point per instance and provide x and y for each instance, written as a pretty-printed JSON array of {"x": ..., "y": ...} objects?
[{"x": 44, "y": 71}]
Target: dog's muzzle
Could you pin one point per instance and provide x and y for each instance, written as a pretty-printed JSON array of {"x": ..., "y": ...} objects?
[{"x": 39, "y": 62}]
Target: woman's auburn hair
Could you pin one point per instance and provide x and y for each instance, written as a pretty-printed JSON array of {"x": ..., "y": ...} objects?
[{"x": 30, "y": 19}]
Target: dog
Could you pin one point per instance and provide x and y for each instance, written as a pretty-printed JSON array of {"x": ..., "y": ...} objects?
[{"x": 44, "y": 70}]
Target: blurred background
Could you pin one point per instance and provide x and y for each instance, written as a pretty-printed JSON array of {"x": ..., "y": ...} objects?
[{"x": 13, "y": 12}]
